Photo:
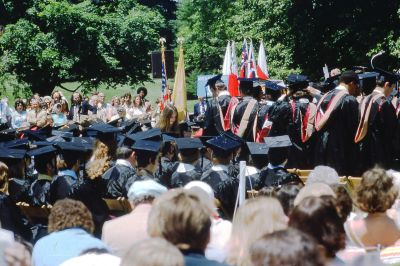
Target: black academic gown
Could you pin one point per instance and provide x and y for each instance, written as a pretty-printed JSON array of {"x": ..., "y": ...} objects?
[
  {"x": 18, "y": 189},
  {"x": 39, "y": 192},
  {"x": 300, "y": 153},
  {"x": 60, "y": 187},
  {"x": 11, "y": 218},
  {"x": 214, "y": 178},
  {"x": 90, "y": 191},
  {"x": 204, "y": 164},
  {"x": 276, "y": 177},
  {"x": 165, "y": 170},
  {"x": 377, "y": 147},
  {"x": 140, "y": 176},
  {"x": 115, "y": 180},
  {"x": 212, "y": 120},
  {"x": 334, "y": 143},
  {"x": 180, "y": 179},
  {"x": 238, "y": 116}
]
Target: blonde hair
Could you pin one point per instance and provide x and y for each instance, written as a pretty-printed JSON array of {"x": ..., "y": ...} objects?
[
  {"x": 3, "y": 178},
  {"x": 143, "y": 254},
  {"x": 164, "y": 123},
  {"x": 100, "y": 160},
  {"x": 255, "y": 218},
  {"x": 180, "y": 217}
]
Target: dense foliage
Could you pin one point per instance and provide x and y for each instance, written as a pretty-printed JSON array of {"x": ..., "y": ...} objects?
[
  {"x": 57, "y": 41},
  {"x": 299, "y": 35}
]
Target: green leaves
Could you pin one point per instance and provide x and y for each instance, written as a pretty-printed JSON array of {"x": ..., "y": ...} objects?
[{"x": 59, "y": 41}]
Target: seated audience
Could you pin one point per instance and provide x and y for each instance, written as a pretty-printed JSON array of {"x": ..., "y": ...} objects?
[
  {"x": 59, "y": 118},
  {"x": 153, "y": 252},
  {"x": 374, "y": 195},
  {"x": 181, "y": 218},
  {"x": 286, "y": 248},
  {"x": 19, "y": 116},
  {"x": 255, "y": 218},
  {"x": 286, "y": 195},
  {"x": 317, "y": 216},
  {"x": 70, "y": 227},
  {"x": 323, "y": 174},
  {"x": 36, "y": 116},
  {"x": 120, "y": 233}
]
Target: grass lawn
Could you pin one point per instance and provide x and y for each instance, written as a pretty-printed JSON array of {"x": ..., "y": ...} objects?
[{"x": 153, "y": 88}]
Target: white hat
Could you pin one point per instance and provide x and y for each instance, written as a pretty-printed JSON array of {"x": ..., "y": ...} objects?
[
  {"x": 202, "y": 185},
  {"x": 314, "y": 190},
  {"x": 145, "y": 188}
]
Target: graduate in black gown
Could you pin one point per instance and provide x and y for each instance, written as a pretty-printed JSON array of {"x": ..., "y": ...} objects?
[
  {"x": 275, "y": 173},
  {"x": 147, "y": 153},
  {"x": 219, "y": 176},
  {"x": 301, "y": 124},
  {"x": 118, "y": 175},
  {"x": 70, "y": 156},
  {"x": 45, "y": 165},
  {"x": 377, "y": 127},
  {"x": 216, "y": 107},
  {"x": 188, "y": 169},
  {"x": 245, "y": 113},
  {"x": 336, "y": 124},
  {"x": 258, "y": 160},
  {"x": 10, "y": 216},
  {"x": 168, "y": 162}
]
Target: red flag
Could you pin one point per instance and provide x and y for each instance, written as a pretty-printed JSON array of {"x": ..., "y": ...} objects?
[
  {"x": 233, "y": 85},
  {"x": 262, "y": 69}
]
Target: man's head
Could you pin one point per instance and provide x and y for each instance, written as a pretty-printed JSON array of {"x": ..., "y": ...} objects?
[
  {"x": 144, "y": 191},
  {"x": 142, "y": 91},
  {"x": 101, "y": 97},
  {"x": 180, "y": 217},
  {"x": 350, "y": 80}
]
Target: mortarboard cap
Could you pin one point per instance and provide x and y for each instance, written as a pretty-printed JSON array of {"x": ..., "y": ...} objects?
[
  {"x": 86, "y": 142},
  {"x": 151, "y": 134},
  {"x": 257, "y": 148},
  {"x": 278, "y": 142},
  {"x": 7, "y": 134},
  {"x": 188, "y": 143},
  {"x": 71, "y": 147},
  {"x": 56, "y": 139},
  {"x": 147, "y": 145},
  {"x": 211, "y": 82},
  {"x": 332, "y": 79},
  {"x": 43, "y": 151},
  {"x": 204, "y": 139},
  {"x": 35, "y": 135},
  {"x": 387, "y": 76},
  {"x": 186, "y": 125},
  {"x": 367, "y": 81},
  {"x": 273, "y": 86},
  {"x": 169, "y": 137},
  {"x": 223, "y": 144},
  {"x": 297, "y": 82},
  {"x": 12, "y": 154},
  {"x": 63, "y": 134},
  {"x": 15, "y": 144},
  {"x": 41, "y": 143},
  {"x": 232, "y": 136}
]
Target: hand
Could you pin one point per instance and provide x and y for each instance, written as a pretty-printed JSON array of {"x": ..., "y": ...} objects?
[
  {"x": 17, "y": 255},
  {"x": 312, "y": 91}
]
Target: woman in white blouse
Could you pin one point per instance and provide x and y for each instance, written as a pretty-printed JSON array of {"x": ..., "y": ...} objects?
[
  {"x": 18, "y": 118},
  {"x": 137, "y": 110}
]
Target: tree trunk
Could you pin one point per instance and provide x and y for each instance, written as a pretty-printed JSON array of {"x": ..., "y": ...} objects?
[{"x": 43, "y": 89}]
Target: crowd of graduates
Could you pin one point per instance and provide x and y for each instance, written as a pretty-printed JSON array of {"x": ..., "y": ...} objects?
[{"x": 181, "y": 179}]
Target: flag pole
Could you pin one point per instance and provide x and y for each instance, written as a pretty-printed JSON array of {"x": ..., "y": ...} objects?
[{"x": 162, "y": 41}]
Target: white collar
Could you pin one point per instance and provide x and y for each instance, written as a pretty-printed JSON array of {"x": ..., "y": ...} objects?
[
  {"x": 340, "y": 88},
  {"x": 251, "y": 170},
  {"x": 270, "y": 166},
  {"x": 124, "y": 163},
  {"x": 378, "y": 91},
  {"x": 184, "y": 167},
  {"x": 219, "y": 167},
  {"x": 223, "y": 93}
]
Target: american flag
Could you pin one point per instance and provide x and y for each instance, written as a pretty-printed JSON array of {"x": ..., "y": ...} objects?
[
  {"x": 243, "y": 63},
  {"x": 163, "y": 80}
]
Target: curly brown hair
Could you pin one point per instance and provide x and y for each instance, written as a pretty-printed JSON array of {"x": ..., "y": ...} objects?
[
  {"x": 376, "y": 192},
  {"x": 3, "y": 178},
  {"x": 68, "y": 213}
]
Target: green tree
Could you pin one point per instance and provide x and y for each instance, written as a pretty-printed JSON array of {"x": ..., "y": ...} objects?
[{"x": 59, "y": 41}]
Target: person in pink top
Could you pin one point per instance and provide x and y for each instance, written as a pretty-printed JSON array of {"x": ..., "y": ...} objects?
[{"x": 120, "y": 233}]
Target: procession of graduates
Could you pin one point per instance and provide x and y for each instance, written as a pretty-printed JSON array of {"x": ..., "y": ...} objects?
[{"x": 349, "y": 122}]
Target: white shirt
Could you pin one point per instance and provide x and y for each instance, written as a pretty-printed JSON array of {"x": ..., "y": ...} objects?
[
  {"x": 184, "y": 167},
  {"x": 124, "y": 162},
  {"x": 220, "y": 167},
  {"x": 340, "y": 88}
]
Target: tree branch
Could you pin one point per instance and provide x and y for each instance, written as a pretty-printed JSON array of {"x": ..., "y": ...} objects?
[{"x": 64, "y": 88}]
